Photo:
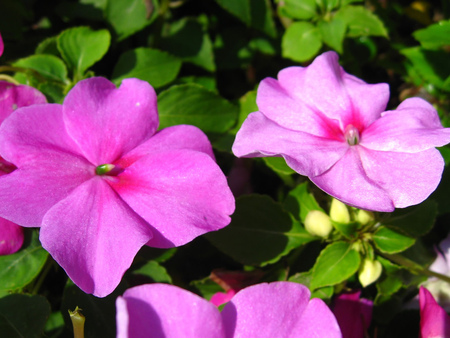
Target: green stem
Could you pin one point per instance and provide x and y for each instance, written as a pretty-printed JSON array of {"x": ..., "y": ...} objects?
[
  {"x": 414, "y": 267},
  {"x": 37, "y": 285}
]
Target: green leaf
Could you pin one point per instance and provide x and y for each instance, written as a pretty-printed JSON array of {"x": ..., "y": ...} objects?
[
  {"x": 154, "y": 66},
  {"x": 247, "y": 105},
  {"x": 238, "y": 8},
  {"x": 301, "y": 41},
  {"x": 130, "y": 16},
  {"x": 82, "y": 47},
  {"x": 414, "y": 221},
  {"x": 49, "y": 66},
  {"x": 305, "y": 279},
  {"x": 434, "y": 36},
  {"x": 333, "y": 33},
  {"x": 207, "y": 287},
  {"x": 193, "y": 104},
  {"x": 19, "y": 269},
  {"x": 257, "y": 223},
  {"x": 336, "y": 263},
  {"x": 300, "y": 202},
  {"x": 49, "y": 46},
  {"x": 23, "y": 316},
  {"x": 156, "y": 272},
  {"x": 187, "y": 40},
  {"x": 298, "y": 9},
  {"x": 278, "y": 164},
  {"x": 348, "y": 230},
  {"x": 433, "y": 66},
  {"x": 361, "y": 21},
  {"x": 390, "y": 282},
  {"x": 390, "y": 241}
]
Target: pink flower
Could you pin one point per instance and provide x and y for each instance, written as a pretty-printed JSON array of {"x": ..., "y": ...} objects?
[
  {"x": 12, "y": 97},
  {"x": 101, "y": 182},
  {"x": 353, "y": 314},
  {"x": 279, "y": 309},
  {"x": 434, "y": 321},
  {"x": 332, "y": 127}
]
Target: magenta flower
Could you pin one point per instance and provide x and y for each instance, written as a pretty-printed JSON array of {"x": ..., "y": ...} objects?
[
  {"x": 434, "y": 321},
  {"x": 332, "y": 127},
  {"x": 101, "y": 182},
  {"x": 12, "y": 97},
  {"x": 353, "y": 314},
  {"x": 279, "y": 309}
]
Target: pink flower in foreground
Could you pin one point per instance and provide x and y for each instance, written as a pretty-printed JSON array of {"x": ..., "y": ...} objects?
[
  {"x": 12, "y": 97},
  {"x": 434, "y": 321},
  {"x": 332, "y": 127},
  {"x": 353, "y": 314},
  {"x": 101, "y": 182},
  {"x": 279, "y": 309}
]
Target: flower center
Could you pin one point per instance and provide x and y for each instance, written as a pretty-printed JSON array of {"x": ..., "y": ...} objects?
[
  {"x": 108, "y": 169},
  {"x": 351, "y": 135}
]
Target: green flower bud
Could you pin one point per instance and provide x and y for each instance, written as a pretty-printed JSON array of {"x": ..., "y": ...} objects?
[
  {"x": 318, "y": 223},
  {"x": 78, "y": 322},
  {"x": 339, "y": 212},
  {"x": 369, "y": 271}
]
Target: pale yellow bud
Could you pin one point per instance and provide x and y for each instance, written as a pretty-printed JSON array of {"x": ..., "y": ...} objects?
[
  {"x": 339, "y": 212},
  {"x": 318, "y": 223},
  {"x": 369, "y": 271},
  {"x": 364, "y": 216},
  {"x": 78, "y": 322}
]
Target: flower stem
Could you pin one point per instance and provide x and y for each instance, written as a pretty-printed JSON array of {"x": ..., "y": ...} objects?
[
  {"x": 78, "y": 322},
  {"x": 414, "y": 267}
]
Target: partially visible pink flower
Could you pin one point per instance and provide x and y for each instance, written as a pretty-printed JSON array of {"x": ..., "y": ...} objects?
[
  {"x": 100, "y": 181},
  {"x": 275, "y": 310},
  {"x": 333, "y": 127},
  {"x": 353, "y": 314},
  {"x": 220, "y": 298},
  {"x": 12, "y": 97},
  {"x": 434, "y": 321}
]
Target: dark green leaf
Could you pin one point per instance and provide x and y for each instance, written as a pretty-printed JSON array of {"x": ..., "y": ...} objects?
[
  {"x": 434, "y": 36},
  {"x": 259, "y": 222},
  {"x": 49, "y": 46},
  {"x": 130, "y": 16},
  {"x": 238, "y": 8},
  {"x": 390, "y": 241},
  {"x": 82, "y": 47},
  {"x": 361, "y": 21},
  {"x": 300, "y": 202},
  {"x": 23, "y": 316},
  {"x": 261, "y": 17},
  {"x": 193, "y": 104},
  {"x": 390, "y": 282},
  {"x": 301, "y": 41},
  {"x": 19, "y": 269},
  {"x": 336, "y": 263},
  {"x": 154, "y": 66}
]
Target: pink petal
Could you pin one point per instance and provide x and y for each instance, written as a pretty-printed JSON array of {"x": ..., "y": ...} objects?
[
  {"x": 434, "y": 321},
  {"x": 327, "y": 88},
  {"x": 94, "y": 236},
  {"x": 279, "y": 309},
  {"x": 107, "y": 122},
  {"x": 166, "y": 311},
  {"x": 1, "y": 45},
  {"x": 414, "y": 126},
  {"x": 305, "y": 153},
  {"x": 220, "y": 298},
  {"x": 407, "y": 178},
  {"x": 11, "y": 237},
  {"x": 13, "y": 97},
  {"x": 353, "y": 314},
  {"x": 348, "y": 181},
  {"x": 182, "y": 194},
  {"x": 277, "y": 104},
  {"x": 175, "y": 137}
]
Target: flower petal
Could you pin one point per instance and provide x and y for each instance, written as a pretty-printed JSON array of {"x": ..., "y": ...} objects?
[
  {"x": 305, "y": 153},
  {"x": 414, "y": 126},
  {"x": 34, "y": 134},
  {"x": 94, "y": 236},
  {"x": 181, "y": 193},
  {"x": 166, "y": 311},
  {"x": 327, "y": 88},
  {"x": 13, "y": 97},
  {"x": 175, "y": 137},
  {"x": 348, "y": 182},
  {"x": 1, "y": 45},
  {"x": 11, "y": 237},
  {"x": 279, "y": 309},
  {"x": 434, "y": 321},
  {"x": 408, "y": 178},
  {"x": 107, "y": 122}
]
